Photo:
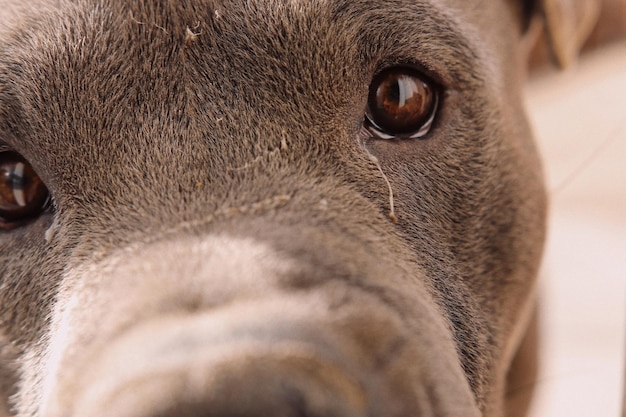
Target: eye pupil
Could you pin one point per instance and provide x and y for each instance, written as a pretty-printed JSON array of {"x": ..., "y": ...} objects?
[
  {"x": 401, "y": 103},
  {"x": 23, "y": 194}
]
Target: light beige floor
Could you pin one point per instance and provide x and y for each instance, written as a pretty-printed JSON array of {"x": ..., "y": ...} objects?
[{"x": 580, "y": 121}]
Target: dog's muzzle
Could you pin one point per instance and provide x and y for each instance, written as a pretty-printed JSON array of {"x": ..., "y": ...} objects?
[
  {"x": 227, "y": 327},
  {"x": 212, "y": 365}
]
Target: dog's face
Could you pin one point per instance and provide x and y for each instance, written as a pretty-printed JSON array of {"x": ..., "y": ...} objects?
[{"x": 264, "y": 207}]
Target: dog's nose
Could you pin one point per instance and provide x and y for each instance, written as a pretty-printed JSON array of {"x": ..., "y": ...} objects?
[
  {"x": 187, "y": 368},
  {"x": 286, "y": 384},
  {"x": 281, "y": 384}
]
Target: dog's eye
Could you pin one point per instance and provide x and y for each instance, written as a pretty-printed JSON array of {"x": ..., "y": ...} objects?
[
  {"x": 402, "y": 104},
  {"x": 23, "y": 195}
]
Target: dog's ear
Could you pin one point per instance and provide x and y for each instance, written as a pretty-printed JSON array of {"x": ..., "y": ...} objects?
[{"x": 566, "y": 25}]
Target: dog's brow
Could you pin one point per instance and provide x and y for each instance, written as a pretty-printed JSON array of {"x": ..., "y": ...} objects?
[
  {"x": 403, "y": 31},
  {"x": 8, "y": 111},
  {"x": 418, "y": 31}
]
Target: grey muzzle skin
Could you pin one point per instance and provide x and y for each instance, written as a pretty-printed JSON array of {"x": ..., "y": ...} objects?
[{"x": 222, "y": 325}]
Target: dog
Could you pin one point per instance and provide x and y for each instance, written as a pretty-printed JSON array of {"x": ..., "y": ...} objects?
[{"x": 270, "y": 207}]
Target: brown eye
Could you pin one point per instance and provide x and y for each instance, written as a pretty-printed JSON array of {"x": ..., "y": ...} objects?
[
  {"x": 402, "y": 104},
  {"x": 23, "y": 194}
]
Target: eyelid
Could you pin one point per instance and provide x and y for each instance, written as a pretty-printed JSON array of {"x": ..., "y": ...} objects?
[{"x": 429, "y": 73}]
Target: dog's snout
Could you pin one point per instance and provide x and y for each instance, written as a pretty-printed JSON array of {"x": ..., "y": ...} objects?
[
  {"x": 187, "y": 368},
  {"x": 268, "y": 385},
  {"x": 238, "y": 330}
]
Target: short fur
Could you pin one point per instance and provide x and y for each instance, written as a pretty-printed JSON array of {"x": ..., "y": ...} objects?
[{"x": 212, "y": 183}]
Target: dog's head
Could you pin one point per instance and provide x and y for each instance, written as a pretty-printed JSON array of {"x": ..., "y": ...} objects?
[{"x": 216, "y": 207}]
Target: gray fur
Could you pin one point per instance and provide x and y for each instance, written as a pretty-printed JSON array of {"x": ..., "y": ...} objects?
[{"x": 159, "y": 126}]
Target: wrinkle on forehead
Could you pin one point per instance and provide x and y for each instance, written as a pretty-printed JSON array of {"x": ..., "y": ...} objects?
[{"x": 264, "y": 43}]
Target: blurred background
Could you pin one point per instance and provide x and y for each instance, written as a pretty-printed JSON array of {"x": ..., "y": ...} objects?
[{"x": 579, "y": 117}]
